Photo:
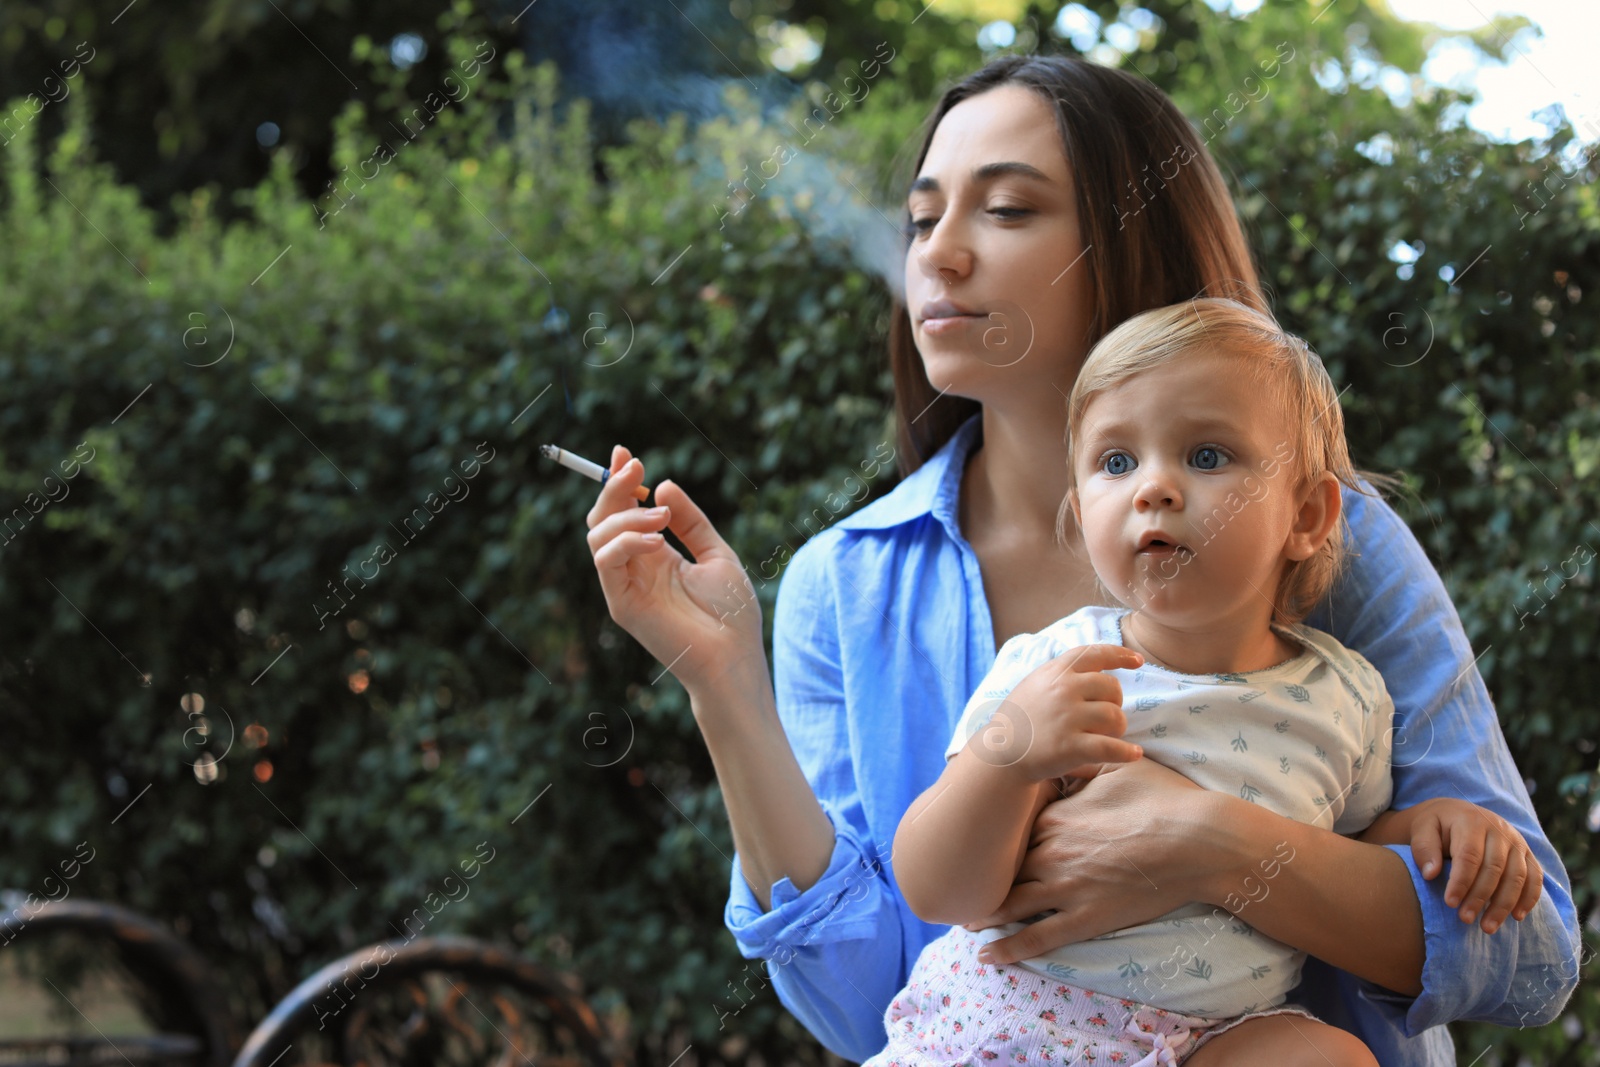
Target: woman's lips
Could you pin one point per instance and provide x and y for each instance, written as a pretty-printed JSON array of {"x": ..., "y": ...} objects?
[{"x": 949, "y": 323}]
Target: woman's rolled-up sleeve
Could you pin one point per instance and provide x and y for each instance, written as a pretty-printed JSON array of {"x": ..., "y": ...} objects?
[
  {"x": 1391, "y": 606},
  {"x": 834, "y": 949}
]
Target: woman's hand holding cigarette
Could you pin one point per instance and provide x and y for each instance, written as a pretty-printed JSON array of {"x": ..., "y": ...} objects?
[{"x": 698, "y": 618}]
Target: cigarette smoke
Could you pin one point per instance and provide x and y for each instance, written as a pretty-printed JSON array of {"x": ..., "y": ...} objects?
[{"x": 632, "y": 61}]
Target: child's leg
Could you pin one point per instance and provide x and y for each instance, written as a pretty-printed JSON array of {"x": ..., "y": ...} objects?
[{"x": 1283, "y": 1041}]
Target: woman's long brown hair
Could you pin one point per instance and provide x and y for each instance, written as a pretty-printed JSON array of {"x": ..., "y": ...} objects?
[{"x": 1155, "y": 215}]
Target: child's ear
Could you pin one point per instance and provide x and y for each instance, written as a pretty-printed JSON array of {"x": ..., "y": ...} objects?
[{"x": 1319, "y": 514}]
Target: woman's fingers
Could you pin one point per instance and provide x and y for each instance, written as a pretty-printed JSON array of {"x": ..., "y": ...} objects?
[
  {"x": 1025, "y": 898},
  {"x": 690, "y": 525},
  {"x": 611, "y": 562},
  {"x": 1508, "y": 891},
  {"x": 643, "y": 520},
  {"x": 617, "y": 494},
  {"x": 1035, "y": 939},
  {"x": 1495, "y": 851}
]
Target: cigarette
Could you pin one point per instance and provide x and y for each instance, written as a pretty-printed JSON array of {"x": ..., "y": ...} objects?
[{"x": 587, "y": 468}]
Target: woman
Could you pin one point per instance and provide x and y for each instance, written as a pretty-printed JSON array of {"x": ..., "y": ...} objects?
[{"x": 1065, "y": 197}]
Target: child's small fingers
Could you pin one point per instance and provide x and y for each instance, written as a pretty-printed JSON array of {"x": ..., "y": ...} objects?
[
  {"x": 1426, "y": 848},
  {"x": 1507, "y": 892},
  {"x": 1532, "y": 889},
  {"x": 1496, "y": 850},
  {"x": 1098, "y": 748},
  {"x": 1466, "y": 857}
]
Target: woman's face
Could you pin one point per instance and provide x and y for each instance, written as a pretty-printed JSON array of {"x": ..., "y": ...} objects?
[{"x": 996, "y": 237}]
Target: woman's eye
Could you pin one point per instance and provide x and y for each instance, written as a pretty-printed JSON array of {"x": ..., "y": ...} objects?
[
  {"x": 1117, "y": 463},
  {"x": 1209, "y": 459},
  {"x": 919, "y": 227}
]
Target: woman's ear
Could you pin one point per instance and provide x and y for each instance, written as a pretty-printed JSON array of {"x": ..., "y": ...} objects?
[{"x": 1319, "y": 514}]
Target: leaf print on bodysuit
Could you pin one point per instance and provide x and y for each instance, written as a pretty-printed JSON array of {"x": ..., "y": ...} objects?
[
  {"x": 1239, "y": 743},
  {"x": 1247, "y": 697},
  {"x": 1146, "y": 703},
  {"x": 1260, "y": 972},
  {"x": 1299, "y": 692},
  {"x": 1230, "y": 677},
  {"x": 1130, "y": 969},
  {"x": 1195, "y": 757},
  {"x": 1199, "y": 969},
  {"x": 1248, "y": 792},
  {"x": 1283, "y": 764},
  {"x": 1282, "y": 726},
  {"x": 1321, "y": 755},
  {"x": 1195, "y": 709},
  {"x": 1159, "y": 731}
]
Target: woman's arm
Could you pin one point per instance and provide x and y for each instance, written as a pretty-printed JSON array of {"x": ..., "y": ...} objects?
[
  {"x": 961, "y": 843},
  {"x": 1346, "y": 902},
  {"x": 808, "y": 890},
  {"x": 1392, "y": 608},
  {"x": 779, "y": 828},
  {"x": 1140, "y": 840}
]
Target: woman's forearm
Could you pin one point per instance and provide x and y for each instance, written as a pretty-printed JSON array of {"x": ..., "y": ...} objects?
[
  {"x": 779, "y": 827},
  {"x": 1348, "y": 903}
]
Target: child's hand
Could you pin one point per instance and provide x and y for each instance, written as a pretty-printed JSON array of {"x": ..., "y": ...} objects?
[
  {"x": 1492, "y": 870},
  {"x": 1063, "y": 719}
]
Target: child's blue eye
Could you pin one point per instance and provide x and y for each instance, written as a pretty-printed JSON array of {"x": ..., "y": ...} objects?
[
  {"x": 1208, "y": 459},
  {"x": 1117, "y": 463}
]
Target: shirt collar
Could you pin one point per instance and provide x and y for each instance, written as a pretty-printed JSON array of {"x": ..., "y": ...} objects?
[{"x": 933, "y": 488}]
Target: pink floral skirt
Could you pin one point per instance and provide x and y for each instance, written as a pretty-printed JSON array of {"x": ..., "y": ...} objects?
[{"x": 957, "y": 1010}]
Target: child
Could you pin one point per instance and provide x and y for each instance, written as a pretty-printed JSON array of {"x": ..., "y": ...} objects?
[{"x": 1206, "y": 454}]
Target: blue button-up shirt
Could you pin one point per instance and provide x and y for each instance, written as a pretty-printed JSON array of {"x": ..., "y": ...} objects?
[{"x": 882, "y": 632}]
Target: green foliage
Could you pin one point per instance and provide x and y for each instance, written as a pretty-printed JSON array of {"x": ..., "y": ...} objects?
[
  {"x": 265, "y": 401},
  {"x": 371, "y": 353}
]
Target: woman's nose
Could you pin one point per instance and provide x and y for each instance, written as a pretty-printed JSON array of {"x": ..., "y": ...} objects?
[{"x": 945, "y": 253}]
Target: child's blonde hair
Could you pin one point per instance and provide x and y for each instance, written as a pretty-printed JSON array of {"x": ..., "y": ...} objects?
[{"x": 1291, "y": 376}]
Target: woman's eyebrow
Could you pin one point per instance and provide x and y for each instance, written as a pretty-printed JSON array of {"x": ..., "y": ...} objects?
[{"x": 987, "y": 172}]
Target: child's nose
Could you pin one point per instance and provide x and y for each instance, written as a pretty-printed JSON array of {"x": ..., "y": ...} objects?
[{"x": 1158, "y": 490}]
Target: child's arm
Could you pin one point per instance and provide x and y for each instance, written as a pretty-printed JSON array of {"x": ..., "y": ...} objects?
[
  {"x": 959, "y": 846},
  {"x": 1491, "y": 866},
  {"x": 961, "y": 843}
]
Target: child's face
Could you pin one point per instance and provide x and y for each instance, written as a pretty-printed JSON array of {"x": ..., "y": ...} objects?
[{"x": 1194, "y": 453}]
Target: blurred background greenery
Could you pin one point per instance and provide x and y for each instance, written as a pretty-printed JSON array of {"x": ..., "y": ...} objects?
[{"x": 256, "y": 376}]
